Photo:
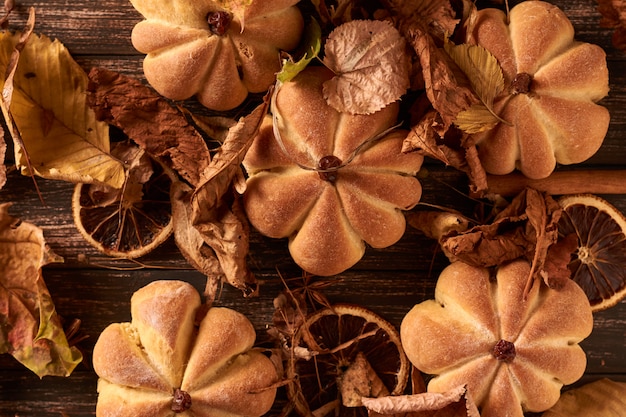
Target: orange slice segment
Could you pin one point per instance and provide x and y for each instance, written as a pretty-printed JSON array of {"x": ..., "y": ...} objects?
[
  {"x": 131, "y": 221},
  {"x": 350, "y": 348},
  {"x": 599, "y": 263}
]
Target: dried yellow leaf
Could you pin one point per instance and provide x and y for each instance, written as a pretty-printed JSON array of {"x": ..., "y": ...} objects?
[
  {"x": 60, "y": 132},
  {"x": 485, "y": 76}
]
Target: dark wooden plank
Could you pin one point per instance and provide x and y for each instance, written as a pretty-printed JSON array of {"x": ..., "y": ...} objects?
[
  {"x": 389, "y": 281},
  {"x": 102, "y": 297},
  {"x": 100, "y": 27}
]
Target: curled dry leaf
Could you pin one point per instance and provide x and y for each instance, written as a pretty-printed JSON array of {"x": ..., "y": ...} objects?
[
  {"x": 555, "y": 268},
  {"x": 7, "y": 93},
  {"x": 485, "y": 76},
  {"x": 371, "y": 66},
  {"x": 527, "y": 227},
  {"x": 31, "y": 330},
  {"x": 449, "y": 93},
  {"x": 437, "y": 223},
  {"x": 150, "y": 121},
  {"x": 453, "y": 403},
  {"x": 601, "y": 398},
  {"x": 360, "y": 380},
  {"x": 437, "y": 16},
  {"x": 215, "y": 204},
  {"x": 446, "y": 86},
  {"x": 455, "y": 148},
  {"x": 614, "y": 16},
  {"x": 191, "y": 243},
  {"x": 62, "y": 139}
]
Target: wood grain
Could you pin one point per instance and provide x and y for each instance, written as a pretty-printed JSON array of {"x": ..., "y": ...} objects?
[{"x": 97, "y": 289}]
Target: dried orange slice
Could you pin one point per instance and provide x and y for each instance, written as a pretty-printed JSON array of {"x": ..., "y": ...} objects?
[
  {"x": 341, "y": 354},
  {"x": 131, "y": 221},
  {"x": 599, "y": 263}
]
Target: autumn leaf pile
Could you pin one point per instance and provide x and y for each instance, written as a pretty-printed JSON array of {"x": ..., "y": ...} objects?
[{"x": 379, "y": 53}]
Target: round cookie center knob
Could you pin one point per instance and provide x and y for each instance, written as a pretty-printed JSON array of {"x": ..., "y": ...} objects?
[
  {"x": 181, "y": 401},
  {"x": 219, "y": 22},
  {"x": 522, "y": 83},
  {"x": 504, "y": 351},
  {"x": 325, "y": 167}
]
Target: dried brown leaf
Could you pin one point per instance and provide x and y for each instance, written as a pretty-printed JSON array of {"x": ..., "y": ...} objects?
[
  {"x": 446, "y": 86},
  {"x": 475, "y": 170},
  {"x": 215, "y": 203},
  {"x": 454, "y": 403},
  {"x": 437, "y": 223},
  {"x": 371, "y": 66},
  {"x": 225, "y": 169},
  {"x": 150, "y": 121},
  {"x": 228, "y": 235},
  {"x": 436, "y": 15},
  {"x": 613, "y": 14},
  {"x": 360, "y": 380},
  {"x": 454, "y": 148},
  {"x": 191, "y": 243},
  {"x": 31, "y": 330},
  {"x": 7, "y": 96},
  {"x": 525, "y": 228},
  {"x": 214, "y": 126},
  {"x": 555, "y": 271},
  {"x": 424, "y": 137}
]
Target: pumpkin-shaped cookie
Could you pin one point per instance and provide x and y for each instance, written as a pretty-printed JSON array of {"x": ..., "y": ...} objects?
[
  {"x": 162, "y": 364},
  {"x": 203, "y": 48},
  {"x": 514, "y": 354},
  {"x": 552, "y": 86},
  {"x": 295, "y": 189}
]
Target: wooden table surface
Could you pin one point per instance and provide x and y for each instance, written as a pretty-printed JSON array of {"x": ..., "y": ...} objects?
[{"x": 88, "y": 286}]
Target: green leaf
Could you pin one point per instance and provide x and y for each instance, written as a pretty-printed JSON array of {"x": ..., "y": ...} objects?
[
  {"x": 60, "y": 132},
  {"x": 485, "y": 76},
  {"x": 313, "y": 45}
]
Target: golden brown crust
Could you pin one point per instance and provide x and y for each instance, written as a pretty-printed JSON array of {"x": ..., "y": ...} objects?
[
  {"x": 250, "y": 392},
  {"x": 328, "y": 222},
  {"x": 326, "y": 244},
  {"x": 163, "y": 314},
  {"x": 453, "y": 337},
  {"x": 118, "y": 357},
  {"x": 122, "y": 401},
  {"x": 558, "y": 120},
  {"x": 225, "y": 334},
  {"x": 143, "y": 363},
  {"x": 184, "y": 58}
]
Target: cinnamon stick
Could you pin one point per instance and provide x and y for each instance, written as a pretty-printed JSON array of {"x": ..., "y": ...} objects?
[{"x": 602, "y": 181}]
